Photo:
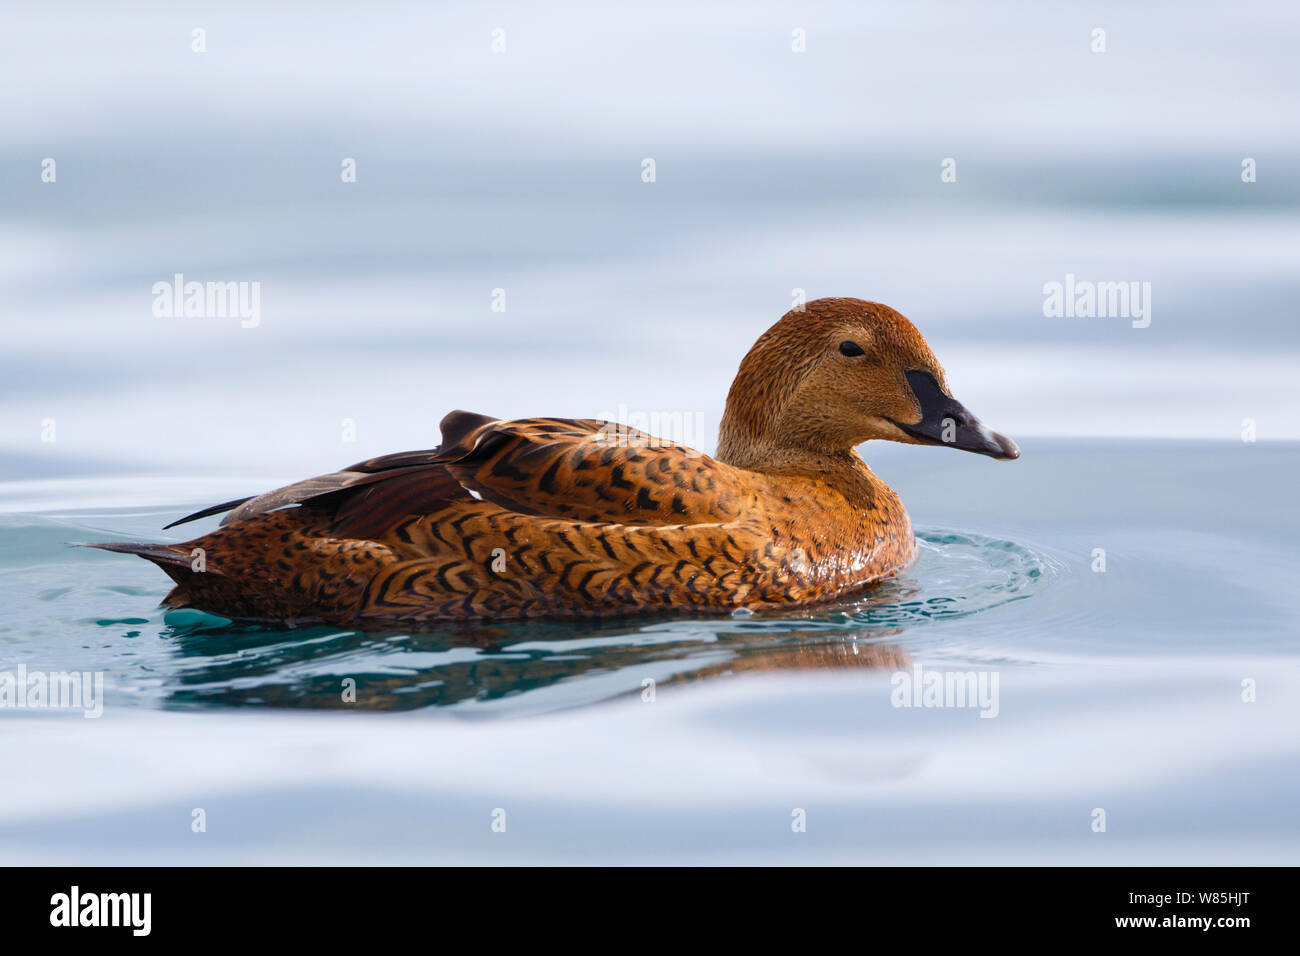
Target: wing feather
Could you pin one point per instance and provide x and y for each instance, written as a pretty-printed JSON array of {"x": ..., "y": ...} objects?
[{"x": 581, "y": 470}]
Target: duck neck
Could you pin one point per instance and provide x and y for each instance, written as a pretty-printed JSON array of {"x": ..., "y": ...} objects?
[
  {"x": 753, "y": 437},
  {"x": 844, "y": 471}
]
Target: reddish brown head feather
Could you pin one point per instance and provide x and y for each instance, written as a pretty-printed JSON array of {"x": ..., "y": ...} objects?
[{"x": 796, "y": 394}]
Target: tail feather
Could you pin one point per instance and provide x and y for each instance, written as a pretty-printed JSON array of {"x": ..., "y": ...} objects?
[
  {"x": 167, "y": 556},
  {"x": 205, "y": 513}
]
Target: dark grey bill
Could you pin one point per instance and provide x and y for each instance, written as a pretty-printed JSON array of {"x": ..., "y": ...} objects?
[{"x": 945, "y": 421}]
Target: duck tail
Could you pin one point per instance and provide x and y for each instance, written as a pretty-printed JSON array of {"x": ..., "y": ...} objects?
[{"x": 173, "y": 559}]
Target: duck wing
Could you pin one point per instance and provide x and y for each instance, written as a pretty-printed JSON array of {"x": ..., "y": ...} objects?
[
  {"x": 591, "y": 471},
  {"x": 402, "y": 474},
  {"x": 581, "y": 470}
]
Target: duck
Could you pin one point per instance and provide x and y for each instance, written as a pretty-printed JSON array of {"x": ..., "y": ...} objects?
[{"x": 581, "y": 518}]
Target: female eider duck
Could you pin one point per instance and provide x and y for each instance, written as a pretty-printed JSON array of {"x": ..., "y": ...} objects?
[{"x": 581, "y": 518}]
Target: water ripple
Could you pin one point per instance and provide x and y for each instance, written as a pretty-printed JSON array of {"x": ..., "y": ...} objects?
[{"x": 101, "y": 614}]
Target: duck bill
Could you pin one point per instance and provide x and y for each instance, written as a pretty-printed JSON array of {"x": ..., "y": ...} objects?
[{"x": 945, "y": 421}]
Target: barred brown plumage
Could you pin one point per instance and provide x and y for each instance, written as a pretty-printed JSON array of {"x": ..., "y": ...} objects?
[{"x": 581, "y": 518}]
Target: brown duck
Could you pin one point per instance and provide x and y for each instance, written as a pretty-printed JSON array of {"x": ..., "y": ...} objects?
[{"x": 581, "y": 518}]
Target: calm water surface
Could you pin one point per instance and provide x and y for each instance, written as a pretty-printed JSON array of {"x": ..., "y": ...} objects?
[{"x": 1120, "y": 690}]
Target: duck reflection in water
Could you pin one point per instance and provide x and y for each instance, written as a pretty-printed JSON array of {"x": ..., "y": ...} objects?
[{"x": 564, "y": 665}]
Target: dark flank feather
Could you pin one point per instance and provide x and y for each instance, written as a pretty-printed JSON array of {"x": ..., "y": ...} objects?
[{"x": 457, "y": 428}]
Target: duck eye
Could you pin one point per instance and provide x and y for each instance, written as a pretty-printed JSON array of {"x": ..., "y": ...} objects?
[{"x": 850, "y": 349}]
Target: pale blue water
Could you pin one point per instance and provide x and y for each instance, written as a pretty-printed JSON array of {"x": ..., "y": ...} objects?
[
  {"x": 1189, "y": 560},
  {"x": 776, "y": 172},
  {"x": 1120, "y": 690}
]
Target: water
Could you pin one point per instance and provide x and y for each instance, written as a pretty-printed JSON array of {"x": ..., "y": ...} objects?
[{"x": 1119, "y": 690}]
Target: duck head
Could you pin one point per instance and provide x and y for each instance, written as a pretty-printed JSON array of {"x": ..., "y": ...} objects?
[{"x": 836, "y": 374}]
